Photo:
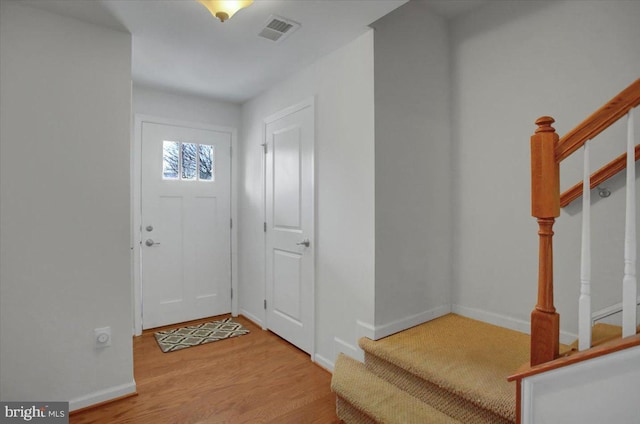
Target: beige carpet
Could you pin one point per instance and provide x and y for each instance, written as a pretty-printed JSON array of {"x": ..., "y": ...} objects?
[
  {"x": 469, "y": 358},
  {"x": 431, "y": 394},
  {"x": 451, "y": 369},
  {"x": 602, "y": 333},
  {"x": 366, "y": 398}
]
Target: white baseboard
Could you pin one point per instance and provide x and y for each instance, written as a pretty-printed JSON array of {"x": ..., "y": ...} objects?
[
  {"x": 102, "y": 396},
  {"x": 324, "y": 362},
  {"x": 340, "y": 346},
  {"x": 505, "y": 321},
  {"x": 393, "y": 327},
  {"x": 492, "y": 318},
  {"x": 248, "y": 315},
  {"x": 364, "y": 329}
]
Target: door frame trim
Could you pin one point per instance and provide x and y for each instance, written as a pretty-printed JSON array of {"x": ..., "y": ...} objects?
[
  {"x": 136, "y": 207},
  {"x": 307, "y": 103}
]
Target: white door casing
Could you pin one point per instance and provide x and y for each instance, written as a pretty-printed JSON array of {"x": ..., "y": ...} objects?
[
  {"x": 186, "y": 272},
  {"x": 290, "y": 224}
]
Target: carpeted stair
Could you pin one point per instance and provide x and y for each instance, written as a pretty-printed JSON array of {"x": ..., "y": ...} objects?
[
  {"x": 362, "y": 390},
  {"x": 602, "y": 333},
  {"x": 449, "y": 370}
]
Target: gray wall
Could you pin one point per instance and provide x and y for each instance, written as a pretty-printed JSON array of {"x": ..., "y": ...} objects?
[
  {"x": 413, "y": 167},
  {"x": 64, "y": 212},
  {"x": 513, "y": 62}
]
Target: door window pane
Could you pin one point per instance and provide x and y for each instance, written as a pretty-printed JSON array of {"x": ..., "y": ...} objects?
[
  {"x": 206, "y": 162},
  {"x": 170, "y": 160},
  {"x": 189, "y": 161}
]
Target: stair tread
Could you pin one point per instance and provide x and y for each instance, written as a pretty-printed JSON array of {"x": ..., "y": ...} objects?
[
  {"x": 602, "y": 333},
  {"x": 437, "y": 397},
  {"x": 378, "y": 399},
  {"x": 469, "y": 358}
]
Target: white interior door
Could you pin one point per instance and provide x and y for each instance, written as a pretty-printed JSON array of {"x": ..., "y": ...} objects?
[
  {"x": 290, "y": 225},
  {"x": 185, "y": 224}
]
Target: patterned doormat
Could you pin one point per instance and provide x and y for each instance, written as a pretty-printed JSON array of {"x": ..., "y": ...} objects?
[{"x": 194, "y": 335}]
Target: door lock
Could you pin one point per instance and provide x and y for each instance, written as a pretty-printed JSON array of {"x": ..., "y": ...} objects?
[{"x": 305, "y": 243}]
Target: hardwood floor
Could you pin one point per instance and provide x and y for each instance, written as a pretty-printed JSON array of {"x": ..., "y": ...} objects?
[{"x": 256, "y": 378}]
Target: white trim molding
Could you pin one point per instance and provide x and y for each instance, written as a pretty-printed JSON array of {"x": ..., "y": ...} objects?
[
  {"x": 364, "y": 329},
  {"x": 393, "y": 327},
  {"x": 505, "y": 321},
  {"x": 340, "y": 346},
  {"x": 324, "y": 363},
  {"x": 102, "y": 396},
  {"x": 251, "y": 317}
]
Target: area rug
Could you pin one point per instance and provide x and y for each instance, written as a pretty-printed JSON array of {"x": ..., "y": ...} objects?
[{"x": 195, "y": 335}]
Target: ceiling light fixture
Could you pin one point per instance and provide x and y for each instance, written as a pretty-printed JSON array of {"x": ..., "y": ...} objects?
[{"x": 224, "y": 9}]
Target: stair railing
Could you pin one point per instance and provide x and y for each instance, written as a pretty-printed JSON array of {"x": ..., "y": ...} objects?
[{"x": 547, "y": 151}]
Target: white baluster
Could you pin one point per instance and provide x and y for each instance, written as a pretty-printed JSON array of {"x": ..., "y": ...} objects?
[
  {"x": 629, "y": 283},
  {"x": 584, "y": 305}
]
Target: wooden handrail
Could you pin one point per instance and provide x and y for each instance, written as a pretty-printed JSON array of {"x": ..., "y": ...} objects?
[
  {"x": 547, "y": 151},
  {"x": 598, "y": 177},
  {"x": 574, "y": 357},
  {"x": 601, "y": 119}
]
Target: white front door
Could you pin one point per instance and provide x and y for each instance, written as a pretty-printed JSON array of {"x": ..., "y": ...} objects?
[
  {"x": 290, "y": 224},
  {"x": 185, "y": 224}
]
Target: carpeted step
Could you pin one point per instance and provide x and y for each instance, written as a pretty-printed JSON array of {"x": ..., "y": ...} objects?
[
  {"x": 457, "y": 365},
  {"x": 602, "y": 333},
  {"x": 431, "y": 394},
  {"x": 349, "y": 414},
  {"x": 364, "y": 398}
]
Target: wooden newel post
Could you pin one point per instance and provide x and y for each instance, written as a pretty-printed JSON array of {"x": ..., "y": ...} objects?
[{"x": 545, "y": 206}]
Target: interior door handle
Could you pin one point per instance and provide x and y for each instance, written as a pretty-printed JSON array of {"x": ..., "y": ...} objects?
[
  {"x": 150, "y": 242},
  {"x": 305, "y": 243}
]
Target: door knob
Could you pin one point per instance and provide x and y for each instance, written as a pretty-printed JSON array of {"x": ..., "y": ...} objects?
[
  {"x": 150, "y": 242},
  {"x": 305, "y": 243}
]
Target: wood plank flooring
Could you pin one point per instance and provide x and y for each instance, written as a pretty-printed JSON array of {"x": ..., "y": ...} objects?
[{"x": 256, "y": 378}]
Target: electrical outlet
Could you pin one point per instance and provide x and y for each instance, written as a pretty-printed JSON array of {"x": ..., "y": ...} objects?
[{"x": 102, "y": 336}]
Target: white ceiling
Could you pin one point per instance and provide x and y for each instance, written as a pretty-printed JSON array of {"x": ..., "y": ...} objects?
[{"x": 179, "y": 46}]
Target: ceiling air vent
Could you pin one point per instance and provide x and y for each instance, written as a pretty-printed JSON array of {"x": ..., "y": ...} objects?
[{"x": 278, "y": 28}]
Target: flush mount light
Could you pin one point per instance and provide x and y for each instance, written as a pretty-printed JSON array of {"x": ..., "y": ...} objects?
[{"x": 225, "y": 9}]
